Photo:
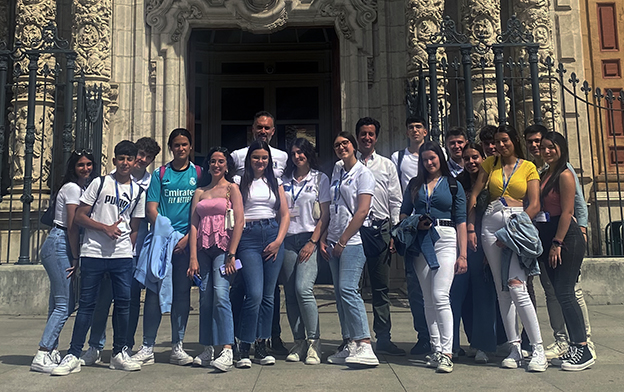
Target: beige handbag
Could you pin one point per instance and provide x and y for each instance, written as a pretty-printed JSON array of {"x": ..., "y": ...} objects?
[
  {"x": 229, "y": 212},
  {"x": 316, "y": 209}
]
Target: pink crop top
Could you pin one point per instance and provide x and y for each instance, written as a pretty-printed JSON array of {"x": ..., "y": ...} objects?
[
  {"x": 551, "y": 202},
  {"x": 211, "y": 230}
]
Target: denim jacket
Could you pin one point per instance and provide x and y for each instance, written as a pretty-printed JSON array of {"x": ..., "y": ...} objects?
[
  {"x": 408, "y": 239},
  {"x": 521, "y": 237},
  {"x": 154, "y": 269}
]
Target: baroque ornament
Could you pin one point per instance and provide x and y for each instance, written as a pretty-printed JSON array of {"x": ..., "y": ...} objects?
[
  {"x": 92, "y": 34},
  {"x": 423, "y": 22}
]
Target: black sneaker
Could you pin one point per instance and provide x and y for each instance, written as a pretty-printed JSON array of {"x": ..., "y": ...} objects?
[
  {"x": 565, "y": 357},
  {"x": 386, "y": 347},
  {"x": 260, "y": 354},
  {"x": 276, "y": 346},
  {"x": 581, "y": 359},
  {"x": 243, "y": 361},
  {"x": 421, "y": 347},
  {"x": 343, "y": 345}
]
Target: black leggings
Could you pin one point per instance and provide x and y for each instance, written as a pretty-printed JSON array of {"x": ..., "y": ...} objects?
[{"x": 565, "y": 276}]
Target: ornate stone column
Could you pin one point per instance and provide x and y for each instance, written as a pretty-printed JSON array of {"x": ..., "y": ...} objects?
[
  {"x": 537, "y": 19},
  {"x": 4, "y": 21},
  {"x": 481, "y": 23},
  {"x": 32, "y": 16},
  {"x": 91, "y": 39}
]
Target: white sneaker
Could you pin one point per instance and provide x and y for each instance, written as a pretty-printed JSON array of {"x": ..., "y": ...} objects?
[
  {"x": 43, "y": 362},
  {"x": 179, "y": 356},
  {"x": 433, "y": 360},
  {"x": 339, "y": 357},
  {"x": 313, "y": 356},
  {"x": 481, "y": 357},
  {"x": 224, "y": 360},
  {"x": 515, "y": 357},
  {"x": 56, "y": 356},
  {"x": 204, "y": 358},
  {"x": 363, "y": 356},
  {"x": 556, "y": 349},
  {"x": 538, "y": 363},
  {"x": 445, "y": 364},
  {"x": 297, "y": 352},
  {"x": 122, "y": 361},
  {"x": 145, "y": 355},
  {"x": 91, "y": 357},
  {"x": 128, "y": 351},
  {"x": 69, "y": 364}
]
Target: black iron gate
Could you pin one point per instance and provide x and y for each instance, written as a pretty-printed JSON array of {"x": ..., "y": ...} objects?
[
  {"x": 529, "y": 88},
  {"x": 45, "y": 112}
]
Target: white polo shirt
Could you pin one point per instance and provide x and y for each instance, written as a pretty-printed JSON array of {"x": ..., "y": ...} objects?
[
  {"x": 301, "y": 197},
  {"x": 344, "y": 190},
  {"x": 279, "y": 160},
  {"x": 409, "y": 166}
]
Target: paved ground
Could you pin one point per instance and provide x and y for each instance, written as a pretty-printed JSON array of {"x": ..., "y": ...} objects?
[{"x": 19, "y": 336}]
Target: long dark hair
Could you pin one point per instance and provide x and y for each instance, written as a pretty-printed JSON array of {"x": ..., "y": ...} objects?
[
  {"x": 515, "y": 139},
  {"x": 350, "y": 138},
  {"x": 562, "y": 164},
  {"x": 70, "y": 170},
  {"x": 307, "y": 149},
  {"x": 464, "y": 177},
  {"x": 248, "y": 176},
  {"x": 416, "y": 182},
  {"x": 206, "y": 178},
  {"x": 179, "y": 132}
]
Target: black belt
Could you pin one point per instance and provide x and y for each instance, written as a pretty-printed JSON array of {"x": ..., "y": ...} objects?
[
  {"x": 60, "y": 227},
  {"x": 445, "y": 222},
  {"x": 378, "y": 222},
  {"x": 259, "y": 222}
]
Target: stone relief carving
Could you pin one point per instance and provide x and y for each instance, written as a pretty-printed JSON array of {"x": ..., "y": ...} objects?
[
  {"x": 423, "y": 22},
  {"x": 340, "y": 13},
  {"x": 370, "y": 63},
  {"x": 91, "y": 36},
  {"x": 152, "y": 75},
  {"x": 182, "y": 21}
]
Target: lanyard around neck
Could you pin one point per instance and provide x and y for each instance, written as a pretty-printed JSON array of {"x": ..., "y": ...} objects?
[
  {"x": 118, "y": 200},
  {"x": 337, "y": 193},
  {"x": 292, "y": 190},
  {"x": 506, "y": 182}
]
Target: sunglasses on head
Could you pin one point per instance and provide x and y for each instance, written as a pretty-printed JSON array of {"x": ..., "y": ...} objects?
[{"x": 84, "y": 152}]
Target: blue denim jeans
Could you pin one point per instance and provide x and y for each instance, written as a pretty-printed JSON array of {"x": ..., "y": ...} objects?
[
  {"x": 417, "y": 302},
  {"x": 97, "y": 337},
  {"x": 92, "y": 271},
  {"x": 180, "y": 306},
  {"x": 55, "y": 258},
  {"x": 346, "y": 273},
  {"x": 299, "y": 281},
  {"x": 216, "y": 324},
  {"x": 260, "y": 277}
]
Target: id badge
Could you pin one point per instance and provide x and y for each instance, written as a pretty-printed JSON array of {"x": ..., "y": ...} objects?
[
  {"x": 542, "y": 217},
  {"x": 503, "y": 201},
  {"x": 295, "y": 212}
]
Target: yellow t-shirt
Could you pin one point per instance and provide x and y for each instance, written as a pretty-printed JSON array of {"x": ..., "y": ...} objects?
[{"x": 517, "y": 187}]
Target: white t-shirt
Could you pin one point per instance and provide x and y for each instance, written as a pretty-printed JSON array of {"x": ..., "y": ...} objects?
[
  {"x": 261, "y": 201},
  {"x": 344, "y": 190},
  {"x": 304, "y": 193},
  {"x": 68, "y": 194},
  {"x": 107, "y": 210},
  {"x": 409, "y": 166},
  {"x": 279, "y": 160}
]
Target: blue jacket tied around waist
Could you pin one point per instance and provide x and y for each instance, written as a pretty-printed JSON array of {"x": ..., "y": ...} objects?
[
  {"x": 408, "y": 239},
  {"x": 154, "y": 269}
]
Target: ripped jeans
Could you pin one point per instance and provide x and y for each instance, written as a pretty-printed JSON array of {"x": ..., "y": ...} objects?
[{"x": 514, "y": 301}]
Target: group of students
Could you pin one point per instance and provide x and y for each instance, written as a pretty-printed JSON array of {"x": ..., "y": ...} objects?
[{"x": 259, "y": 216}]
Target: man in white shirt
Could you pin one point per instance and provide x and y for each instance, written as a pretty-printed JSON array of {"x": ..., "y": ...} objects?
[
  {"x": 406, "y": 161},
  {"x": 110, "y": 211},
  {"x": 148, "y": 149},
  {"x": 263, "y": 128},
  {"x": 455, "y": 139},
  {"x": 384, "y": 213}
]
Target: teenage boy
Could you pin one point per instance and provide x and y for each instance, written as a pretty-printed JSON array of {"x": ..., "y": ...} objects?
[
  {"x": 455, "y": 140},
  {"x": 533, "y": 139},
  {"x": 148, "y": 149},
  {"x": 406, "y": 161},
  {"x": 486, "y": 137},
  {"x": 384, "y": 214},
  {"x": 110, "y": 214}
]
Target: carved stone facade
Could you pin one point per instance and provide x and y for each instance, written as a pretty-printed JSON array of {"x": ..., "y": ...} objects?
[
  {"x": 423, "y": 20},
  {"x": 32, "y": 16}
]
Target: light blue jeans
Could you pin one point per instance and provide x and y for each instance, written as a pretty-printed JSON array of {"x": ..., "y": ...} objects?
[
  {"x": 216, "y": 324},
  {"x": 180, "y": 306},
  {"x": 55, "y": 257},
  {"x": 298, "y": 279},
  {"x": 260, "y": 277},
  {"x": 346, "y": 273}
]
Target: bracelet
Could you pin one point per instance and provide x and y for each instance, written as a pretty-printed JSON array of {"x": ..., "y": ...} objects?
[
  {"x": 471, "y": 231},
  {"x": 341, "y": 245},
  {"x": 557, "y": 243},
  {"x": 312, "y": 241},
  {"x": 230, "y": 255}
]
